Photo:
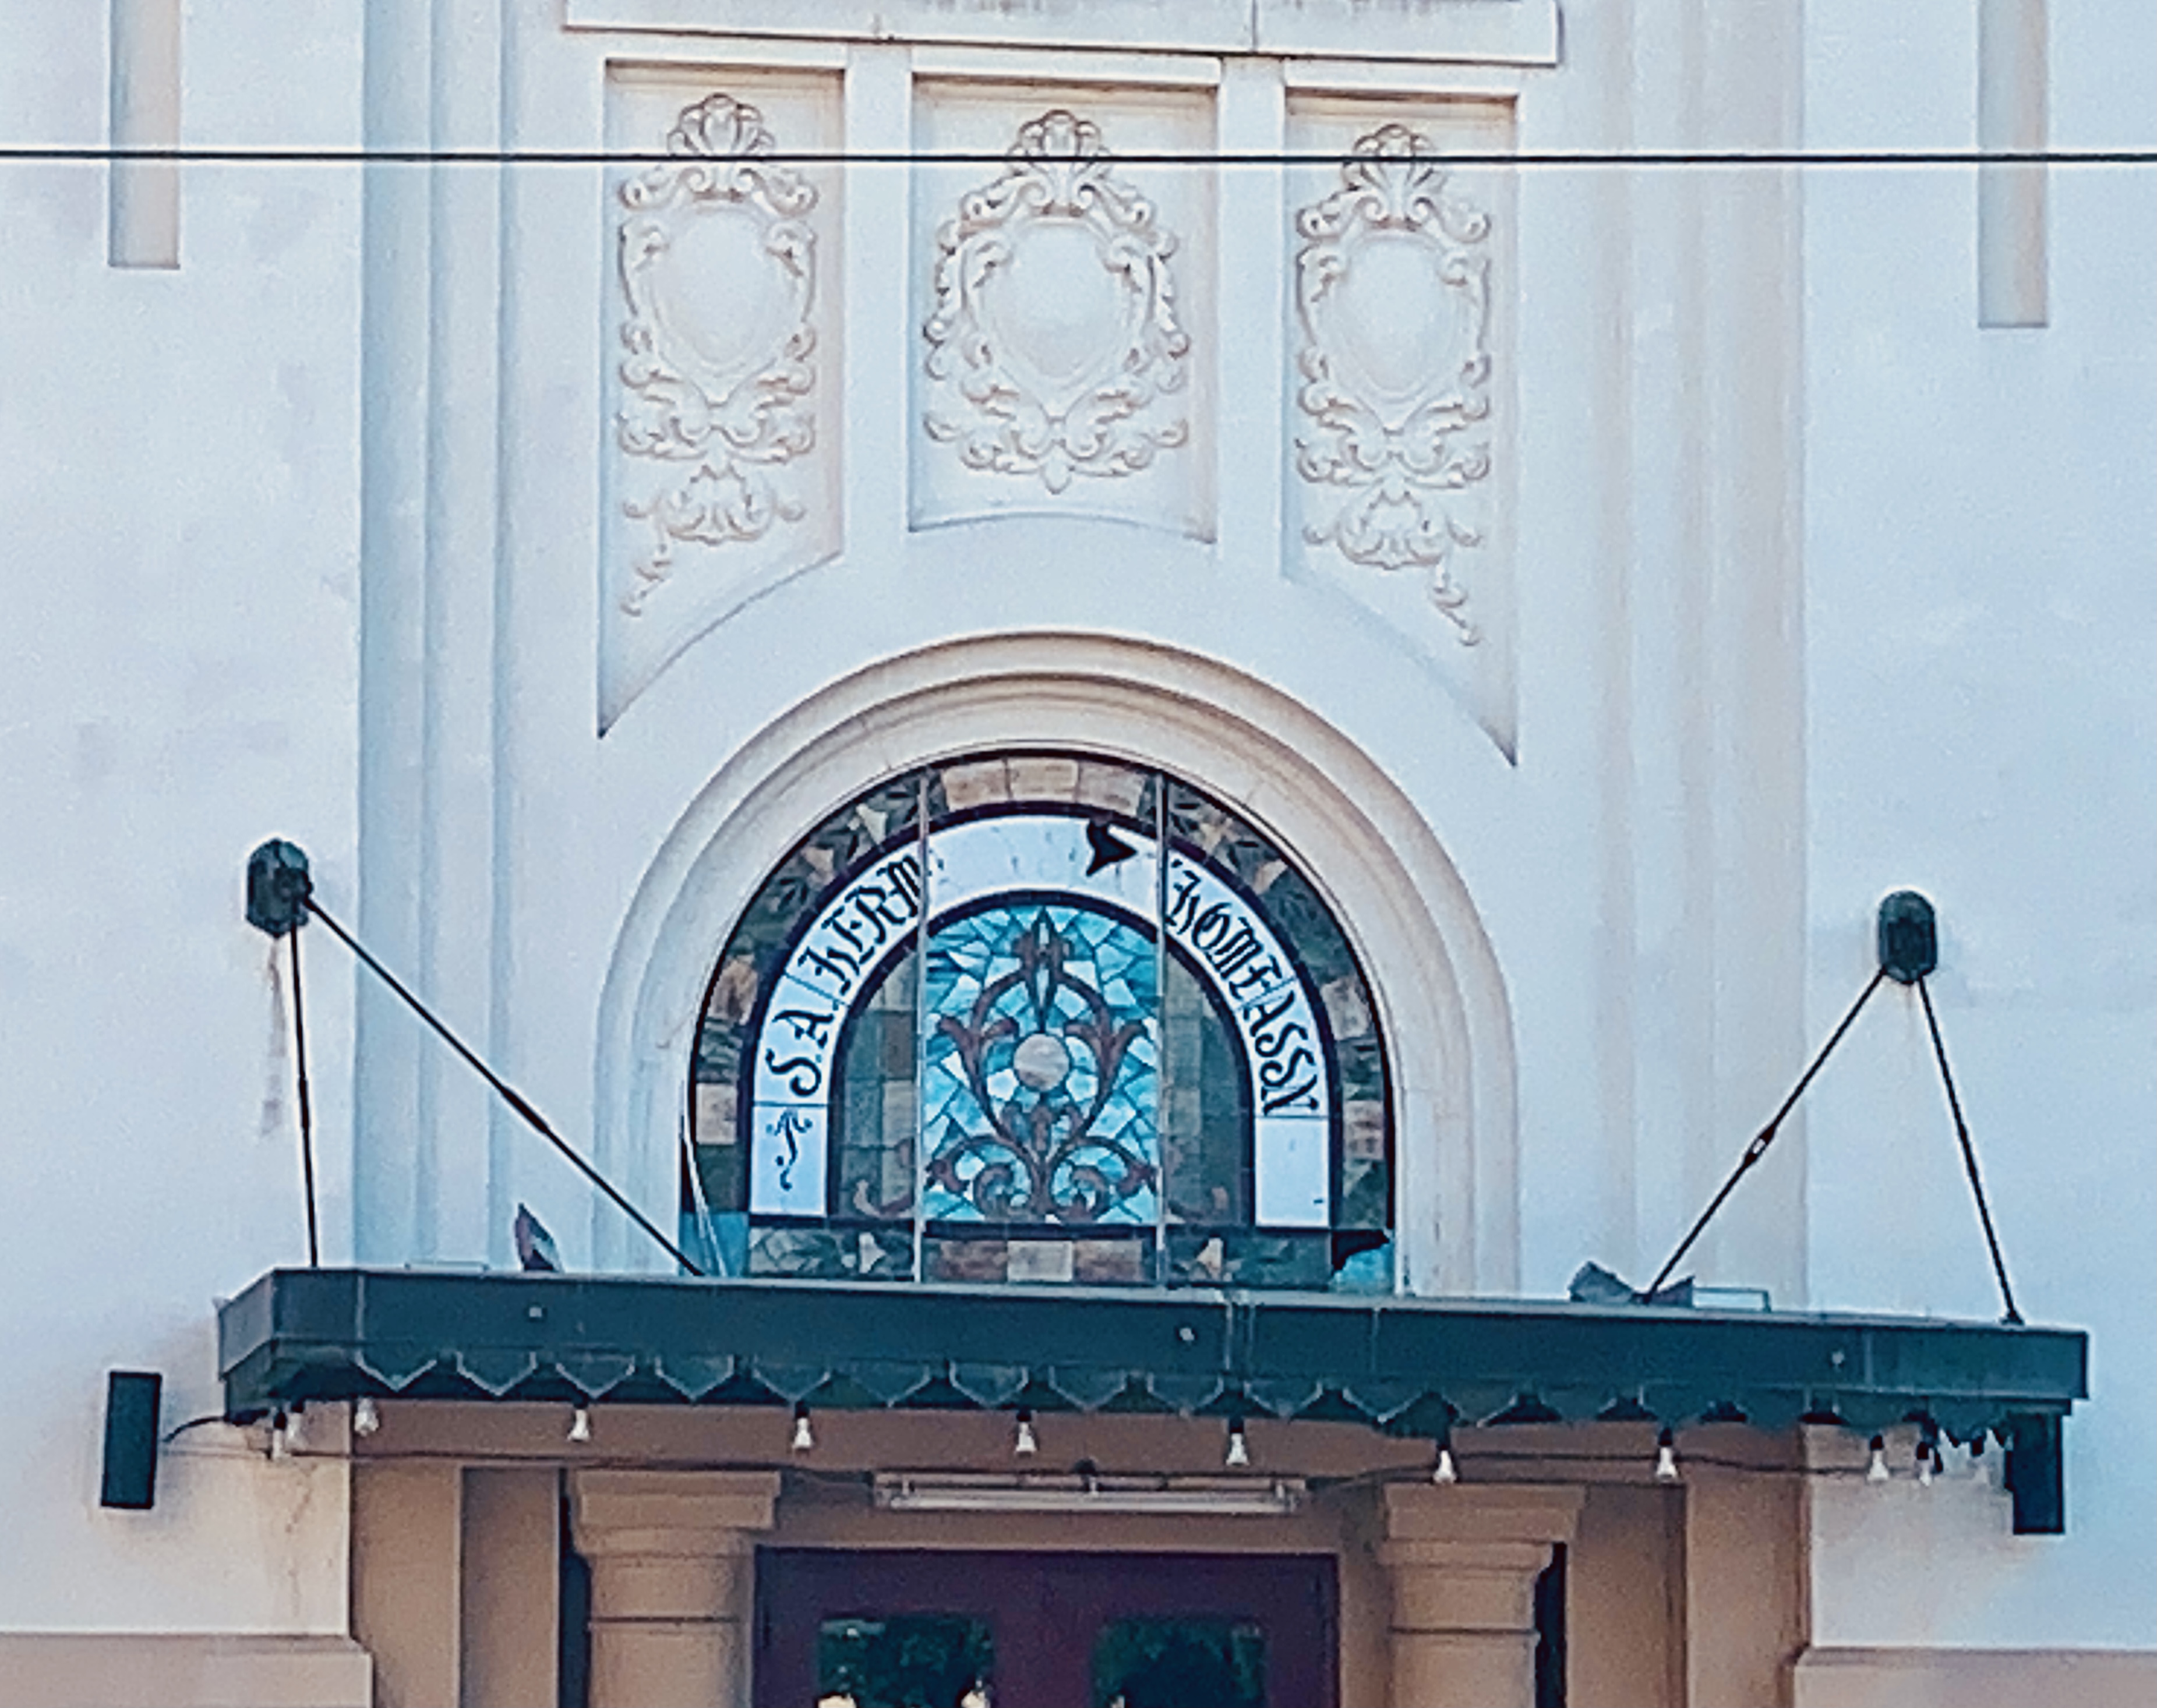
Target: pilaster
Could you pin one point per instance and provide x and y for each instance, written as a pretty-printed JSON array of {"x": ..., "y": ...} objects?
[{"x": 407, "y": 1523}]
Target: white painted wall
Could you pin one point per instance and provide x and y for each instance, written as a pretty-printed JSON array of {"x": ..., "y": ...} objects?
[
  {"x": 1711, "y": 760},
  {"x": 177, "y": 507},
  {"x": 1981, "y": 629}
]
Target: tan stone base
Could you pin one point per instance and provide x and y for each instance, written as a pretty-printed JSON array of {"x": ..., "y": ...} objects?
[
  {"x": 91, "y": 1669},
  {"x": 1976, "y": 1678}
]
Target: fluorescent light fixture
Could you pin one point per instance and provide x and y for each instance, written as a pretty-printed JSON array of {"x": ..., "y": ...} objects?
[{"x": 1172, "y": 1497}]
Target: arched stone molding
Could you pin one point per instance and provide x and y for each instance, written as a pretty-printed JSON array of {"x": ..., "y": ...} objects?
[{"x": 1362, "y": 840}]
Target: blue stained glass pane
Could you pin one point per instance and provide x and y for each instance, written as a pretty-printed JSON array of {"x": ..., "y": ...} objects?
[{"x": 1041, "y": 1072}]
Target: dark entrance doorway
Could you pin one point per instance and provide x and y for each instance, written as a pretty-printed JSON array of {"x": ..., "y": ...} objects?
[{"x": 946, "y": 1629}]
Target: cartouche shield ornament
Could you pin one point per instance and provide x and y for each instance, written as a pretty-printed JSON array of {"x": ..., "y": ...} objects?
[
  {"x": 1392, "y": 294},
  {"x": 1054, "y": 350},
  {"x": 717, "y": 262}
]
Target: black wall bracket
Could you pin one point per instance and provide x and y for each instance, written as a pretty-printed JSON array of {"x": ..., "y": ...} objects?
[
  {"x": 1909, "y": 937},
  {"x": 278, "y": 888}
]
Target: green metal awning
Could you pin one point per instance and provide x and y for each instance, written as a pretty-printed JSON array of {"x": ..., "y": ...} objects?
[{"x": 1404, "y": 1366}]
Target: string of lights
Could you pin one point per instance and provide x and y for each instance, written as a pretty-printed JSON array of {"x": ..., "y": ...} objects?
[
  {"x": 1469, "y": 1464},
  {"x": 285, "y": 1439}
]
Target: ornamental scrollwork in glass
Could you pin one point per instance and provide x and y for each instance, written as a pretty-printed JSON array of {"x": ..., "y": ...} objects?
[{"x": 1038, "y": 1068}]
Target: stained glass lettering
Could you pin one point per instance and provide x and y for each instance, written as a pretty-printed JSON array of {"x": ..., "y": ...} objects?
[{"x": 1042, "y": 1018}]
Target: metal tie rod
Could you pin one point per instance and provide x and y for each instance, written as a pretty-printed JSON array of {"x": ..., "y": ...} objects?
[{"x": 281, "y": 898}]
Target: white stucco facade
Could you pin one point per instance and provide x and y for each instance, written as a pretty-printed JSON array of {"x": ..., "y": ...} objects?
[
  {"x": 1920, "y": 552},
  {"x": 1789, "y": 583}
]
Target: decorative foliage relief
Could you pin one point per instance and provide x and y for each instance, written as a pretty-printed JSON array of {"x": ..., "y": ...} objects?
[
  {"x": 1393, "y": 296},
  {"x": 1053, "y": 346},
  {"x": 718, "y": 263}
]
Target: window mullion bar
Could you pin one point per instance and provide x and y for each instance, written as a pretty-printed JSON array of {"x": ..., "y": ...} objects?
[
  {"x": 921, "y": 1033},
  {"x": 1161, "y": 1088}
]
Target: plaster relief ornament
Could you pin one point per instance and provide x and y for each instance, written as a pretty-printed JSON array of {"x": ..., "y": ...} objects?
[
  {"x": 1054, "y": 348},
  {"x": 718, "y": 265},
  {"x": 1393, "y": 292}
]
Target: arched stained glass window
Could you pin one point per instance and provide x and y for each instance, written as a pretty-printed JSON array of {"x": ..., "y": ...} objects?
[{"x": 1041, "y": 1017}]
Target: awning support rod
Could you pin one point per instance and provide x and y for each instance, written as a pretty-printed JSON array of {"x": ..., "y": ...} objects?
[
  {"x": 1969, "y": 1154},
  {"x": 306, "y": 1100},
  {"x": 1766, "y": 1136},
  {"x": 1909, "y": 948},
  {"x": 281, "y": 898}
]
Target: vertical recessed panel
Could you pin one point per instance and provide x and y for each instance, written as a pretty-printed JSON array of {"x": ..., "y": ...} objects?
[
  {"x": 143, "y": 217},
  {"x": 720, "y": 339},
  {"x": 1397, "y": 421},
  {"x": 2013, "y": 101}
]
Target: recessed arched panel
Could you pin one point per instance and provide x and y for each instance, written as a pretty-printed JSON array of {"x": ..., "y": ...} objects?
[
  {"x": 1367, "y": 852},
  {"x": 1041, "y": 1015}
]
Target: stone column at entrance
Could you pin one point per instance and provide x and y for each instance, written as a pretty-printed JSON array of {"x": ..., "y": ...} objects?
[
  {"x": 671, "y": 1555},
  {"x": 1464, "y": 1563}
]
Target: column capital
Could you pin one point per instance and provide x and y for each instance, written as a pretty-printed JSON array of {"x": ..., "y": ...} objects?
[
  {"x": 648, "y": 1513},
  {"x": 1498, "y": 1512},
  {"x": 670, "y": 1557},
  {"x": 1464, "y": 1564},
  {"x": 1522, "y": 1560}
]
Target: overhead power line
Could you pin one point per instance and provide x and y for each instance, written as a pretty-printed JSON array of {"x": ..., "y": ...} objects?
[{"x": 1566, "y": 159}]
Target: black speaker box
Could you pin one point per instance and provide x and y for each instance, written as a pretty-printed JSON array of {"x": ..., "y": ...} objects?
[
  {"x": 2036, "y": 1477},
  {"x": 131, "y": 1398}
]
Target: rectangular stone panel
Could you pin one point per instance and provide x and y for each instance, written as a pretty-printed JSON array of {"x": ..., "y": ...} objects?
[{"x": 1513, "y": 32}]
